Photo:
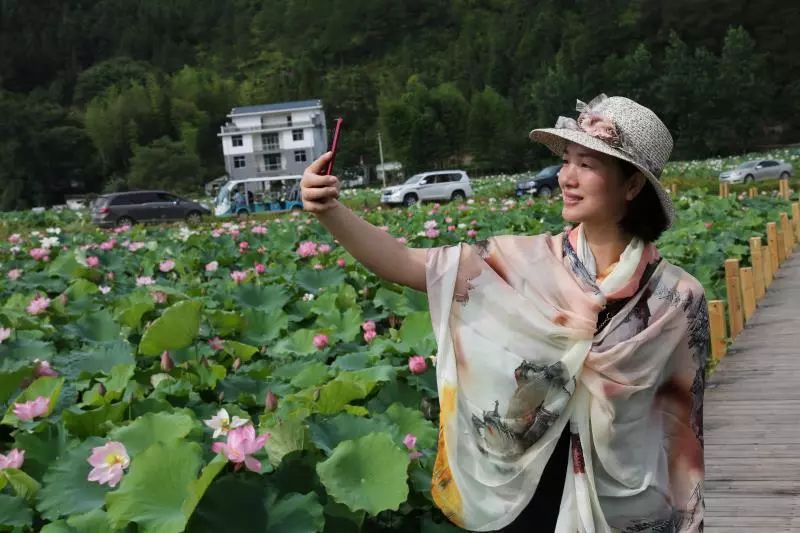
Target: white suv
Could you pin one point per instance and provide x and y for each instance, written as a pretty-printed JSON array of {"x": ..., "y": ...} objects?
[{"x": 438, "y": 185}]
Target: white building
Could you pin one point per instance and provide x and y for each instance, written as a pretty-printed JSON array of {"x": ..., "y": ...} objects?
[{"x": 273, "y": 139}]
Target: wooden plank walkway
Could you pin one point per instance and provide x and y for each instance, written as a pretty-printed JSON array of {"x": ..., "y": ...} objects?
[{"x": 752, "y": 419}]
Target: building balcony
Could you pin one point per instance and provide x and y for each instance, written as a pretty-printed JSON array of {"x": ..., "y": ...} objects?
[
  {"x": 259, "y": 148},
  {"x": 232, "y": 129}
]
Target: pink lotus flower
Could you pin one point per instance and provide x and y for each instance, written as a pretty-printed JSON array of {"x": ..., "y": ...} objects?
[
  {"x": 451, "y": 228},
  {"x": 430, "y": 224},
  {"x": 472, "y": 233},
  {"x": 411, "y": 441},
  {"x": 105, "y": 289},
  {"x": 212, "y": 266},
  {"x": 159, "y": 297},
  {"x": 108, "y": 462},
  {"x": 307, "y": 249},
  {"x": 5, "y": 333},
  {"x": 14, "y": 274},
  {"x": 38, "y": 305},
  {"x": 243, "y": 246},
  {"x": 341, "y": 262},
  {"x": 43, "y": 369},
  {"x": 368, "y": 325},
  {"x": 108, "y": 245},
  {"x": 216, "y": 233},
  {"x": 320, "y": 341},
  {"x": 31, "y": 409},
  {"x": 166, "y": 266},
  {"x": 432, "y": 233},
  {"x": 241, "y": 445},
  {"x": 12, "y": 459},
  {"x": 259, "y": 230},
  {"x": 260, "y": 268},
  {"x": 324, "y": 248},
  {"x": 40, "y": 254},
  {"x": 318, "y": 266},
  {"x": 369, "y": 336},
  {"x": 135, "y": 246},
  {"x": 15, "y": 238},
  {"x": 417, "y": 364},
  {"x": 216, "y": 343},
  {"x": 92, "y": 261},
  {"x": 238, "y": 276},
  {"x": 143, "y": 281}
]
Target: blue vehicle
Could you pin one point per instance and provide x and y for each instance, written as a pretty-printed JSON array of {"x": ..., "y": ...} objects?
[{"x": 258, "y": 195}]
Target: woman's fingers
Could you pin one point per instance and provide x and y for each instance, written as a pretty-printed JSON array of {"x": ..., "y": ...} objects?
[
  {"x": 320, "y": 193},
  {"x": 319, "y": 164}
]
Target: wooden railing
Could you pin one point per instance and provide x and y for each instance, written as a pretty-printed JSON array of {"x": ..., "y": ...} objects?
[{"x": 746, "y": 286}]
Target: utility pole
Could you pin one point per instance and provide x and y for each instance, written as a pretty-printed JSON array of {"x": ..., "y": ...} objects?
[{"x": 380, "y": 150}]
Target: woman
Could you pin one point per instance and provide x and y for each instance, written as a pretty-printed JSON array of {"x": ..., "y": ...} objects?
[{"x": 570, "y": 368}]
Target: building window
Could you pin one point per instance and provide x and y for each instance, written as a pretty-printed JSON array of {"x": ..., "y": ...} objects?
[
  {"x": 270, "y": 141},
  {"x": 237, "y": 140},
  {"x": 238, "y": 161},
  {"x": 272, "y": 161},
  {"x": 300, "y": 156},
  {"x": 288, "y": 120},
  {"x": 297, "y": 135}
]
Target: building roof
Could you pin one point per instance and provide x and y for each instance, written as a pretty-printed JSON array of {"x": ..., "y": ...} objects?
[{"x": 270, "y": 108}]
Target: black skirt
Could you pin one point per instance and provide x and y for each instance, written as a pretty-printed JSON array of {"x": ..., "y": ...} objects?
[{"x": 541, "y": 514}]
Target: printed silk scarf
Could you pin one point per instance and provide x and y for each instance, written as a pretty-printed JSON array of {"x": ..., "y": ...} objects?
[{"x": 521, "y": 355}]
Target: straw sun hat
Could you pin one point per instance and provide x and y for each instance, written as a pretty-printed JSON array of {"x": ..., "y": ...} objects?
[{"x": 621, "y": 128}]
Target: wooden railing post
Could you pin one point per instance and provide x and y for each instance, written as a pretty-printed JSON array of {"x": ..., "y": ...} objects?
[
  {"x": 752, "y": 192},
  {"x": 796, "y": 219},
  {"x": 716, "y": 324},
  {"x": 772, "y": 242},
  {"x": 788, "y": 235},
  {"x": 781, "y": 245},
  {"x": 759, "y": 280},
  {"x": 734, "y": 290},
  {"x": 674, "y": 188},
  {"x": 748, "y": 293}
]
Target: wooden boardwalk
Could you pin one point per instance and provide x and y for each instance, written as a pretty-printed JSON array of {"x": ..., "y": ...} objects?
[{"x": 752, "y": 419}]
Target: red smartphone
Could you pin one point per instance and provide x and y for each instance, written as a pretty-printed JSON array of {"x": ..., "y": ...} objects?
[{"x": 334, "y": 145}]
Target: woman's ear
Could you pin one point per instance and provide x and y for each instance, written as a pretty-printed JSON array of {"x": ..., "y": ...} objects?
[{"x": 634, "y": 185}]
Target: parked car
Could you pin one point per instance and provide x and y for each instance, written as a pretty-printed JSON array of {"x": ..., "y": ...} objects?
[
  {"x": 123, "y": 208},
  {"x": 763, "y": 169},
  {"x": 438, "y": 185},
  {"x": 543, "y": 183}
]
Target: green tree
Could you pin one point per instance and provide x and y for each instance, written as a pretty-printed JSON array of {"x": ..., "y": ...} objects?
[
  {"x": 745, "y": 90},
  {"x": 164, "y": 164}
]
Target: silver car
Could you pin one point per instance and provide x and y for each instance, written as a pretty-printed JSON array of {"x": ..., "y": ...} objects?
[
  {"x": 763, "y": 169},
  {"x": 438, "y": 185}
]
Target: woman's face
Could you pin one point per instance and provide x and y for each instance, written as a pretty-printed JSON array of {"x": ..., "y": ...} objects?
[{"x": 594, "y": 188}]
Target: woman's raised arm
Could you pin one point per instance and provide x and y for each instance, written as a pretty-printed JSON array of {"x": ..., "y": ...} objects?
[{"x": 374, "y": 248}]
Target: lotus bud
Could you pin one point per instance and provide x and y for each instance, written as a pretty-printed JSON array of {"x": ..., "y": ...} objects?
[
  {"x": 271, "y": 402},
  {"x": 166, "y": 362}
]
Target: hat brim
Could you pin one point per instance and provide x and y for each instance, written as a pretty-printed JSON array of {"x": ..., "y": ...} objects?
[{"x": 556, "y": 139}]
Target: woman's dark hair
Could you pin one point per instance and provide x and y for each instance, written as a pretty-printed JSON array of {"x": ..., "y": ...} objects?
[{"x": 645, "y": 217}]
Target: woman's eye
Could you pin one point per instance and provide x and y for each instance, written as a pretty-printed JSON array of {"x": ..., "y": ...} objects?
[{"x": 585, "y": 165}]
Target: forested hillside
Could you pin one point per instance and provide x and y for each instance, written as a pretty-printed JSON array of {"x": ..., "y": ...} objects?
[{"x": 110, "y": 94}]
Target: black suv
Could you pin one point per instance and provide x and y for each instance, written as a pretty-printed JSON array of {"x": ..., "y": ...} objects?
[
  {"x": 122, "y": 208},
  {"x": 543, "y": 183}
]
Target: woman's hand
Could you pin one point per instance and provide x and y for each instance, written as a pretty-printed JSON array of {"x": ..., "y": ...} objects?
[{"x": 319, "y": 192}]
